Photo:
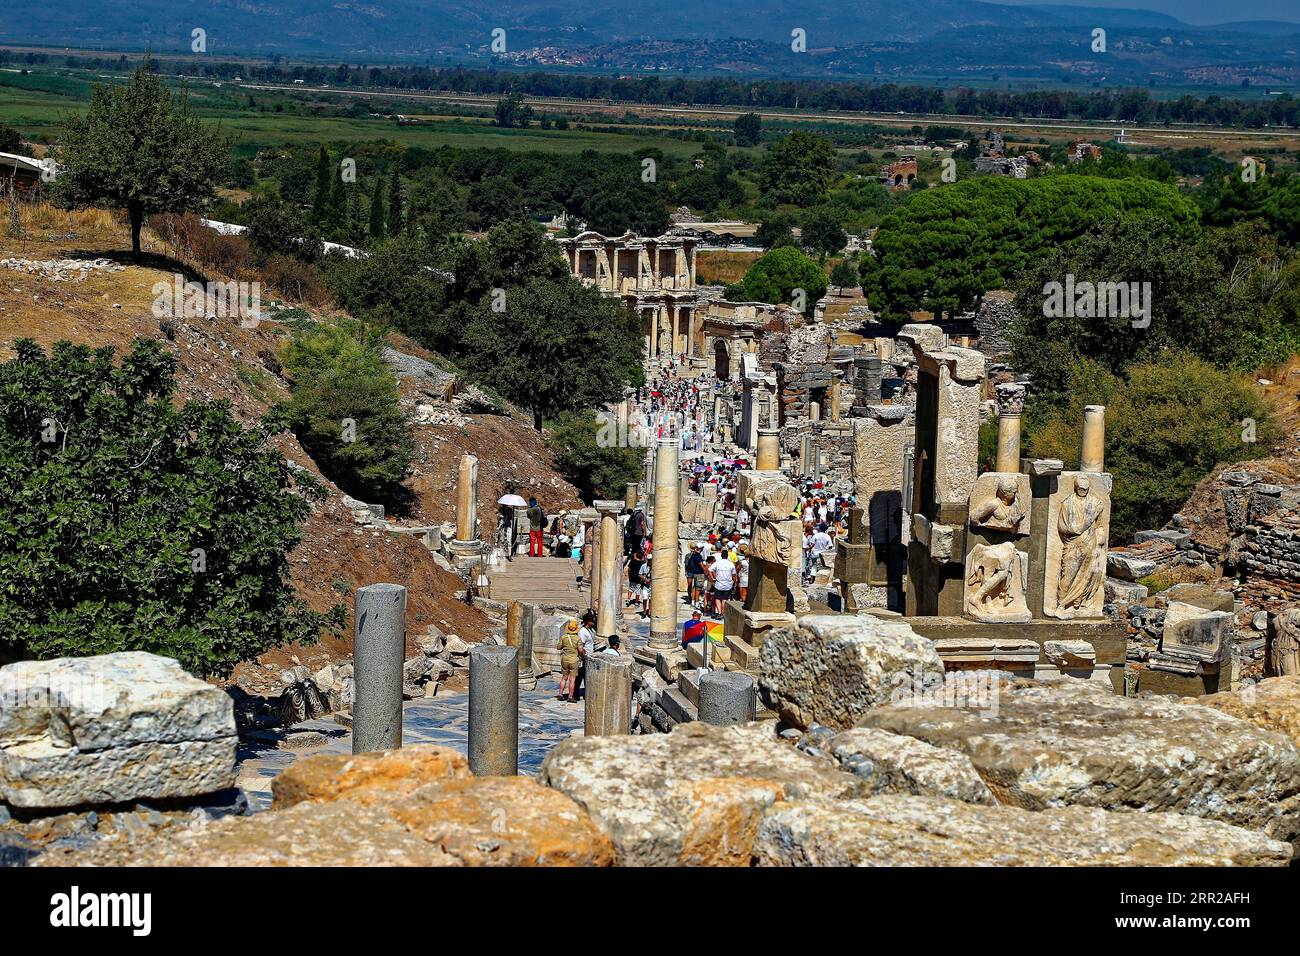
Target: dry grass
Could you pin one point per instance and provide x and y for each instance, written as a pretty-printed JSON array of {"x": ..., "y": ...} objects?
[{"x": 723, "y": 267}]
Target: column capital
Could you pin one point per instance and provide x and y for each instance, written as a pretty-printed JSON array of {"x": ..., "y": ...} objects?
[{"x": 608, "y": 507}]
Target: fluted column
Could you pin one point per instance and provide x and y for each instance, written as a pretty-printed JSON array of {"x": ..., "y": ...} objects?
[
  {"x": 768, "y": 454},
  {"x": 611, "y": 580},
  {"x": 1011, "y": 405},
  {"x": 663, "y": 570}
]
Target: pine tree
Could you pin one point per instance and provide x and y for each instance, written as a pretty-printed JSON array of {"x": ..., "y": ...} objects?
[
  {"x": 377, "y": 210},
  {"x": 395, "y": 204}
]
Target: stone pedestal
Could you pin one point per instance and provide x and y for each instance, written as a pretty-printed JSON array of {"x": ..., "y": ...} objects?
[
  {"x": 751, "y": 627},
  {"x": 768, "y": 454},
  {"x": 493, "y": 748},
  {"x": 726, "y": 698},
  {"x": 608, "y": 708},
  {"x": 769, "y": 586},
  {"x": 519, "y": 635},
  {"x": 663, "y": 592},
  {"x": 465, "y": 554},
  {"x": 611, "y": 568},
  {"x": 379, "y": 651}
]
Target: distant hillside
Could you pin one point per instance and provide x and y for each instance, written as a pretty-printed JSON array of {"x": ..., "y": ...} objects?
[{"x": 843, "y": 37}]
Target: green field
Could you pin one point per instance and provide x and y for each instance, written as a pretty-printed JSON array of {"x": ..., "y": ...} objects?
[{"x": 36, "y": 105}]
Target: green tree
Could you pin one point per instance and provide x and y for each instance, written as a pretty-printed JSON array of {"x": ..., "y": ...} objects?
[
  {"x": 134, "y": 522},
  {"x": 512, "y": 112},
  {"x": 844, "y": 275},
  {"x": 344, "y": 407},
  {"x": 377, "y": 210},
  {"x": 946, "y": 247},
  {"x": 1225, "y": 296},
  {"x": 797, "y": 170},
  {"x": 775, "y": 230},
  {"x": 779, "y": 272},
  {"x": 821, "y": 231},
  {"x": 748, "y": 129},
  {"x": 554, "y": 346},
  {"x": 1168, "y": 424},
  {"x": 398, "y": 284},
  {"x": 277, "y": 229},
  {"x": 320, "y": 197},
  {"x": 138, "y": 147},
  {"x": 396, "y": 203},
  {"x": 597, "y": 469}
]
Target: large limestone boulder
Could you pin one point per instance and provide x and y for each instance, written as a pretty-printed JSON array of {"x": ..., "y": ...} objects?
[
  {"x": 832, "y": 669},
  {"x": 896, "y": 830},
  {"x": 1273, "y": 703},
  {"x": 692, "y": 797},
  {"x": 895, "y": 763},
  {"x": 411, "y": 807},
  {"x": 328, "y": 777},
  {"x": 111, "y": 729},
  {"x": 1065, "y": 745}
]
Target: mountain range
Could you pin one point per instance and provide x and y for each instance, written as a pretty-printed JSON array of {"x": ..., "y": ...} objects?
[{"x": 843, "y": 37}]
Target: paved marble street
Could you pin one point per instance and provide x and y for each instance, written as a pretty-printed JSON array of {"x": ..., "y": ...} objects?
[{"x": 443, "y": 720}]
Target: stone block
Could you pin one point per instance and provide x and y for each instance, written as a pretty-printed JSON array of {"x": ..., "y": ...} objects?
[
  {"x": 691, "y": 797},
  {"x": 904, "y": 830},
  {"x": 677, "y": 707},
  {"x": 670, "y": 663},
  {"x": 1128, "y": 567},
  {"x": 111, "y": 729},
  {"x": 688, "y": 682},
  {"x": 1074, "y": 744},
  {"x": 1196, "y": 633},
  {"x": 833, "y": 669},
  {"x": 1124, "y": 592},
  {"x": 743, "y": 653}
]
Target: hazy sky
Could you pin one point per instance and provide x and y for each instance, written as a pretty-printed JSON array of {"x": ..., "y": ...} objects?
[{"x": 1195, "y": 11}]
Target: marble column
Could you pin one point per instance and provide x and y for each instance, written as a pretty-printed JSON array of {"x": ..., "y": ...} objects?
[
  {"x": 768, "y": 454},
  {"x": 630, "y": 495},
  {"x": 654, "y": 332},
  {"x": 467, "y": 499},
  {"x": 663, "y": 570},
  {"x": 493, "y": 746},
  {"x": 611, "y": 576},
  {"x": 1092, "y": 454},
  {"x": 608, "y": 704},
  {"x": 379, "y": 651},
  {"x": 1011, "y": 405},
  {"x": 519, "y": 634},
  {"x": 590, "y": 555},
  {"x": 672, "y": 309}
]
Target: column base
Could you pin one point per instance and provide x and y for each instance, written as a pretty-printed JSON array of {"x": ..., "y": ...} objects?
[{"x": 464, "y": 554}]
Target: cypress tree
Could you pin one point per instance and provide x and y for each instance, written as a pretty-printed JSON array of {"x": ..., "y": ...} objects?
[{"x": 377, "y": 209}]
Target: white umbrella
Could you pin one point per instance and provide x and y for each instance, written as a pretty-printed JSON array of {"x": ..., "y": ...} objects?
[{"x": 513, "y": 500}]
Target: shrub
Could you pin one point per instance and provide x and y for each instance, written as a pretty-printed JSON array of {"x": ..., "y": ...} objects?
[
  {"x": 133, "y": 523},
  {"x": 296, "y": 280},
  {"x": 1167, "y": 426},
  {"x": 344, "y": 407},
  {"x": 596, "y": 471}
]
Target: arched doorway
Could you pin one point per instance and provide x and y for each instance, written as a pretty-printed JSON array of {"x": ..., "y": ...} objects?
[{"x": 721, "y": 360}]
